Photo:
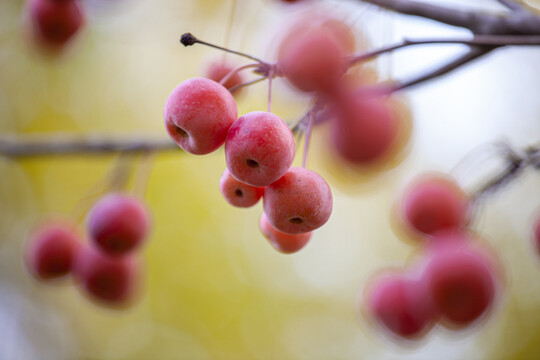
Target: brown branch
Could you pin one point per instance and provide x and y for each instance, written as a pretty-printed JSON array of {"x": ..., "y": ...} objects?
[
  {"x": 465, "y": 19},
  {"x": 472, "y": 54},
  {"x": 479, "y": 40},
  {"x": 516, "y": 164},
  {"x": 63, "y": 144},
  {"x": 512, "y": 5},
  {"x": 518, "y": 22}
]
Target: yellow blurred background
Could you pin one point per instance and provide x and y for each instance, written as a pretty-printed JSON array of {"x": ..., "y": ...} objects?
[{"x": 213, "y": 287}]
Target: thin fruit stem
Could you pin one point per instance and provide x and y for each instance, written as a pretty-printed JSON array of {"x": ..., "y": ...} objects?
[
  {"x": 115, "y": 180},
  {"x": 235, "y": 70},
  {"x": 259, "y": 79},
  {"x": 307, "y": 138},
  {"x": 230, "y": 24},
  {"x": 270, "y": 75},
  {"x": 189, "y": 39},
  {"x": 142, "y": 174}
]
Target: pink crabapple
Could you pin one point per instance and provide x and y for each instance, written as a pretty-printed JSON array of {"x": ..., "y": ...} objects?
[
  {"x": 56, "y": 22},
  {"x": 434, "y": 202},
  {"x": 217, "y": 70},
  {"x": 536, "y": 234},
  {"x": 400, "y": 304},
  {"x": 237, "y": 193},
  {"x": 300, "y": 201},
  {"x": 283, "y": 242},
  {"x": 312, "y": 61},
  {"x": 462, "y": 280},
  {"x": 198, "y": 114},
  {"x": 365, "y": 129},
  {"x": 259, "y": 148},
  {"x": 111, "y": 281},
  {"x": 118, "y": 223},
  {"x": 51, "y": 250}
]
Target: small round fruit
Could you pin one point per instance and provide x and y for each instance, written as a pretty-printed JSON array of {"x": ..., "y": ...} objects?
[
  {"x": 259, "y": 148},
  {"x": 364, "y": 129},
  {"x": 536, "y": 235},
  {"x": 51, "y": 250},
  {"x": 111, "y": 281},
  {"x": 237, "y": 193},
  {"x": 400, "y": 305},
  {"x": 56, "y": 22},
  {"x": 435, "y": 203},
  {"x": 300, "y": 201},
  {"x": 462, "y": 283},
  {"x": 283, "y": 242},
  {"x": 313, "y": 61},
  {"x": 118, "y": 223},
  {"x": 218, "y": 70},
  {"x": 198, "y": 114}
]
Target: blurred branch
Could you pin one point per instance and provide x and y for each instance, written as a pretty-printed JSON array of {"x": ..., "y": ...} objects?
[
  {"x": 512, "y": 5},
  {"x": 516, "y": 163},
  {"x": 517, "y": 22},
  {"x": 472, "y": 54},
  {"x": 479, "y": 40},
  {"x": 63, "y": 144}
]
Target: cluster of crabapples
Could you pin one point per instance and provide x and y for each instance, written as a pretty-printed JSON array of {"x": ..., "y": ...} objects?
[
  {"x": 53, "y": 24},
  {"x": 457, "y": 279},
  {"x": 201, "y": 116},
  {"x": 106, "y": 268}
]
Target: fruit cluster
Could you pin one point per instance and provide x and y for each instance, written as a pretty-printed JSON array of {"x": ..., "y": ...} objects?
[
  {"x": 200, "y": 116},
  {"x": 106, "y": 268},
  {"x": 458, "y": 278}
]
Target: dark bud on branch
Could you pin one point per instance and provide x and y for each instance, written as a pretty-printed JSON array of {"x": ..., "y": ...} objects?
[{"x": 188, "y": 39}]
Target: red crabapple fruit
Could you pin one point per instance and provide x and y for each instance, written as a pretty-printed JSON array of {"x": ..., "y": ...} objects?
[
  {"x": 364, "y": 130},
  {"x": 109, "y": 280},
  {"x": 400, "y": 305},
  {"x": 51, "y": 250},
  {"x": 237, "y": 193},
  {"x": 536, "y": 234},
  {"x": 313, "y": 61},
  {"x": 322, "y": 21},
  {"x": 259, "y": 148},
  {"x": 283, "y": 242},
  {"x": 55, "y": 22},
  {"x": 198, "y": 114},
  {"x": 462, "y": 282},
  {"x": 118, "y": 223},
  {"x": 300, "y": 201},
  {"x": 218, "y": 70},
  {"x": 434, "y": 203}
]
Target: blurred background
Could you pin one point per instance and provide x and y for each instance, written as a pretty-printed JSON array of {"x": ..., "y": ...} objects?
[{"x": 213, "y": 287}]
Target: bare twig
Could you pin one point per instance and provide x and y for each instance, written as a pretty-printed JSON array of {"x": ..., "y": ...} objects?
[
  {"x": 472, "y": 54},
  {"x": 479, "y": 40},
  {"x": 465, "y": 19},
  {"x": 54, "y": 144},
  {"x": 518, "y": 22},
  {"x": 512, "y": 5}
]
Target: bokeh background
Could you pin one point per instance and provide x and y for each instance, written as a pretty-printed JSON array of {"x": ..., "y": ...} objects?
[{"x": 213, "y": 287}]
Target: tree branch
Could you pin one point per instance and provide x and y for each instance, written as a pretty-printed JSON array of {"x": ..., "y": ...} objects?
[
  {"x": 63, "y": 144},
  {"x": 472, "y": 54},
  {"x": 518, "y": 22},
  {"x": 465, "y": 19},
  {"x": 512, "y": 5},
  {"x": 479, "y": 40}
]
